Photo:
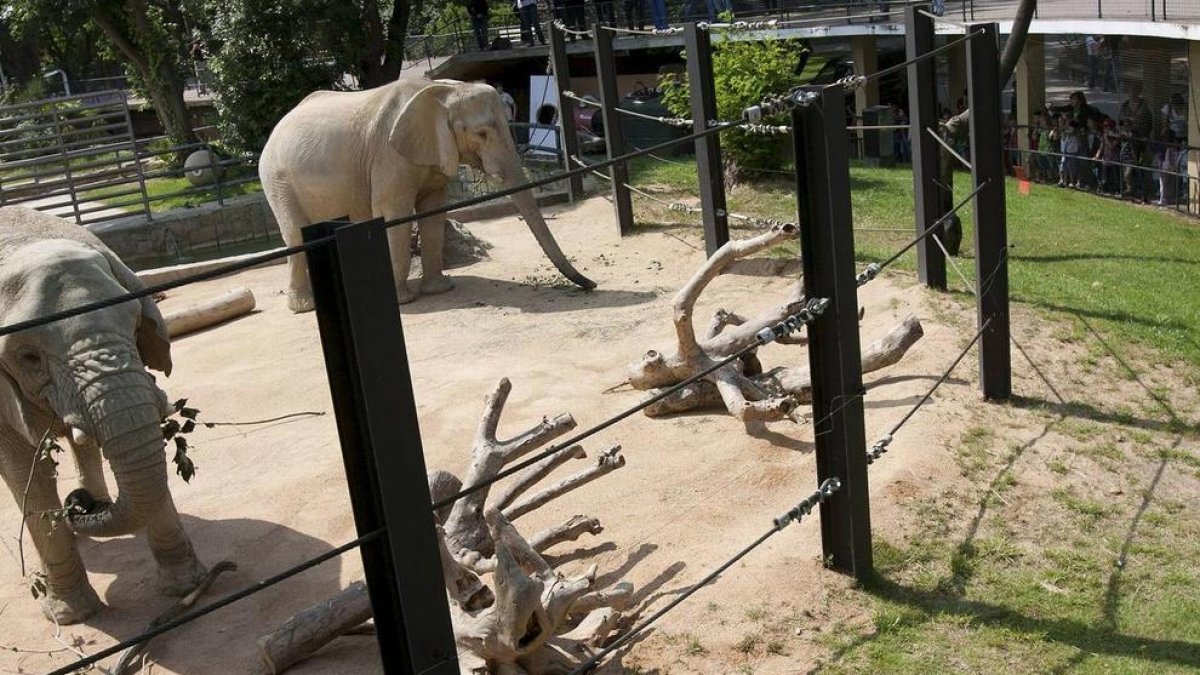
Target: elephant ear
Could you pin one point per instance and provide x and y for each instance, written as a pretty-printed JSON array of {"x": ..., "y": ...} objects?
[
  {"x": 153, "y": 341},
  {"x": 422, "y": 133},
  {"x": 14, "y": 410}
]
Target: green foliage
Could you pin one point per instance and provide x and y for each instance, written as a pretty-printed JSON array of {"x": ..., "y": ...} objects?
[
  {"x": 744, "y": 73},
  {"x": 263, "y": 58},
  {"x": 181, "y": 422}
]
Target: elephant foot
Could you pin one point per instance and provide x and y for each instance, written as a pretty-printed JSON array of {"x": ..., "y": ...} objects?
[
  {"x": 439, "y": 284},
  {"x": 404, "y": 295},
  {"x": 300, "y": 302},
  {"x": 72, "y": 607},
  {"x": 181, "y": 578}
]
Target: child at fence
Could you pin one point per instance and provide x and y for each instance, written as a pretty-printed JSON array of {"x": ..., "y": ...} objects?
[
  {"x": 1047, "y": 161},
  {"x": 1092, "y": 140},
  {"x": 1109, "y": 154},
  {"x": 1128, "y": 156},
  {"x": 1070, "y": 149},
  {"x": 1167, "y": 165}
]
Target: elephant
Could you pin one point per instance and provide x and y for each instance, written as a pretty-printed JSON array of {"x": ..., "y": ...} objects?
[
  {"x": 389, "y": 152},
  {"x": 84, "y": 379}
]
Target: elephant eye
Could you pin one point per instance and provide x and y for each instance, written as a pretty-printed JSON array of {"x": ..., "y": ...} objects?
[{"x": 30, "y": 359}]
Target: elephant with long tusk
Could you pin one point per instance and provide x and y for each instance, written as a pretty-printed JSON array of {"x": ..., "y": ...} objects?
[
  {"x": 84, "y": 379},
  {"x": 389, "y": 152}
]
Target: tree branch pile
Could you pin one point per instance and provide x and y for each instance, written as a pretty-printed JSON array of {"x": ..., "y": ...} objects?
[
  {"x": 743, "y": 388},
  {"x": 513, "y": 613}
]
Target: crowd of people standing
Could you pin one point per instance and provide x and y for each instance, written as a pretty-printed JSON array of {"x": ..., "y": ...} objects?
[
  {"x": 575, "y": 16},
  {"x": 1141, "y": 155}
]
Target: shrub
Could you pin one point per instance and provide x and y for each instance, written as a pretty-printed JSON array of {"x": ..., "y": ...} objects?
[{"x": 744, "y": 72}]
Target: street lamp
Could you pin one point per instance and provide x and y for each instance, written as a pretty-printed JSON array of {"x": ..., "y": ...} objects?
[{"x": 60, "y": 73}]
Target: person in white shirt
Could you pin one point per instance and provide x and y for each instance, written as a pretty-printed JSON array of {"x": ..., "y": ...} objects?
[{"x": 510, "y": 104}]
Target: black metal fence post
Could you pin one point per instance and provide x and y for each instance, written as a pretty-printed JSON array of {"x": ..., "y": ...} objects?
[
  {"x": 614, "y": 132},
  {"x": 363, "y": 343},
  {"x": 991, "y": 236},
  {"x": 561, "y": 68},
  {"x": 922, "y": 105},
  {"x": 698, "y": 44},
  {"x": 827, "y": 251}
]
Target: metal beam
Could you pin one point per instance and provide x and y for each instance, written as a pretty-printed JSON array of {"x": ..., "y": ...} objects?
[
  {"x": 827, "y": 252},
  {"x": 991, "y": 235},
  {"x": 363, "y": 344},
  {"x": 561, "y": 68},
  {"x": 922, "y": 105},
  {"x": 614, "y": 133},
  {"x": 708, "y": 149}
]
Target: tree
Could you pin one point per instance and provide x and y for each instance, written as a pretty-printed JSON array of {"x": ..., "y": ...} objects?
[
  {"x": 45, "y": 35},
  {"x": 744, "y": 72},
  {"x": 265, "y": 56},
  {"x": 151, "y": 38}
]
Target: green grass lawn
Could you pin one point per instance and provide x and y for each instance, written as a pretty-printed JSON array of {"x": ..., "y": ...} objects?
[
  {"x": 158, "y": 189},
  {"x": 1130, "y": 273}
]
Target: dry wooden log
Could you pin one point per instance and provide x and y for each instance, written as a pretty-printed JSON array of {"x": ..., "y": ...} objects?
[
  {"x": 529, "y": 477},
  {"x": 313, "y": 628},
  {"x": 571, "y": 530},
  {"x": 231, "y": 304},
  {"x": 610, "y": 460},
  {"x": 794, "y": 382},
  {"x": 464, "y": 526},
  {"x": 512, "y": 611}
]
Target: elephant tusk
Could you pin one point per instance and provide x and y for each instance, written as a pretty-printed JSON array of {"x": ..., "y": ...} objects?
[{"x": 79, "y": 436}]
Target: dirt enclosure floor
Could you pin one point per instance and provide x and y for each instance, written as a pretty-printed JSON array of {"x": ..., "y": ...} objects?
[{"x": 695, "y": 489}]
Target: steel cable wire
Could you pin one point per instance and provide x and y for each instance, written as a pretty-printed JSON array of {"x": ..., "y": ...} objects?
[
  {"x": 793, "y": 515},
  {"x": 214, "y": 606},
  {"x": 812, "y": 310},
  {"x": 301, "y": 248}
]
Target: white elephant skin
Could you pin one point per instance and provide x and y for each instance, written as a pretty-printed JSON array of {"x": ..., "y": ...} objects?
[
  {"x": 389, "y": 152},
  {"x": 84, "y": 379}
]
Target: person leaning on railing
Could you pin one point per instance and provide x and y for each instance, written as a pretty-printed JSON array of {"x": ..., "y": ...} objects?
[
  {"x": 527, "y": 12},
  {"x": 479, "y": 12}
]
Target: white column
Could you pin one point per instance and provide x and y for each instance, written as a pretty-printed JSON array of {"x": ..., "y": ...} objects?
[
  {"x": 1194, "y": 124},
  {"x": 866, "y": 61},
  {"x": 1030, "y": 85}
]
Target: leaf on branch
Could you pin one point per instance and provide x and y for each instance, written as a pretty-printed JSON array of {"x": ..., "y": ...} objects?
[
  {"x": 189, "y": 413},
  {"x": 37, "y": 584},
  {"x": 179, "y": 405},
  {"x": 188, "y": 427},
  {"x": 170, "y": 428},
  {"x": 183, "y": 464}
]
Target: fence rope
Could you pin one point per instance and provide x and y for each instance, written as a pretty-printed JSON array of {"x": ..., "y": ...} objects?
[
  {"x": 793, "y": 515},
  {"x": 214, "y": 606},
  {"x": 880, "y": 447},
  {"x": 558, "y": 23},
  {"x": 670, "y": 30},
  {"x": 812, "y": 310}
]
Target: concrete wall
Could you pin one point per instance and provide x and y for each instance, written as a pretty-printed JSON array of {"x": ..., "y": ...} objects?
[{"x": 244, "y": 224}]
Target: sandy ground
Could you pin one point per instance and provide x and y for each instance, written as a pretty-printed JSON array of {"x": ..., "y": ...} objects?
[{"x": 696, "y": 489}]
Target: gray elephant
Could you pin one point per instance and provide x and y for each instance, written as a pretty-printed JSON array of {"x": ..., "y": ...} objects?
[
  {"x": 389, "y": 152},
  {"x": 84, "y": 379}
]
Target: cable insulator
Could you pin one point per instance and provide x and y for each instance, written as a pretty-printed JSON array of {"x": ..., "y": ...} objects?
[
  {"x": 868, "y": 274},
  {"x": 805, "y": 507},
  {"x": 879, "y": 448},
  {"x": 814, "y": 308}
]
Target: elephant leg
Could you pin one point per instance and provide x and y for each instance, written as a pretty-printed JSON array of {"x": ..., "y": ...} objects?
[
  {"x": 69, "y": 596},
  {"x": 433, "y": 244},
  {"x": 90, "y": 467},
  {"x": 179, "y": 571},
  {"x": 399, "y": 236},
  {"x": 291, "y": 220}
]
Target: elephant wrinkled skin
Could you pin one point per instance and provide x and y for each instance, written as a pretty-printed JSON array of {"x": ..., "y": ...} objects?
[
  {"x": 389, "y": 152},
  {"x": 84, "y": 379}
]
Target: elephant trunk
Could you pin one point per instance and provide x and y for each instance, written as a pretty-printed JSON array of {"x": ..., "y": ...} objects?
[
  {"x": 527, "y": 205},
  {"x": 124, "y": 412}
]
